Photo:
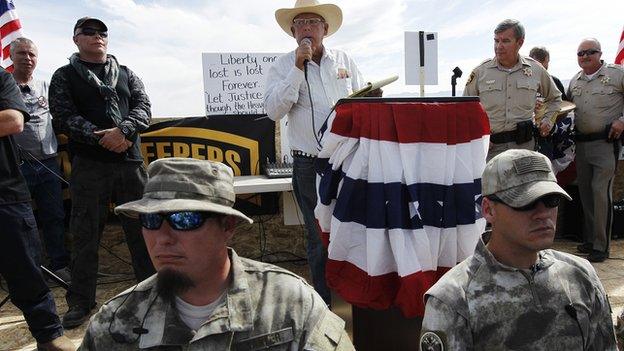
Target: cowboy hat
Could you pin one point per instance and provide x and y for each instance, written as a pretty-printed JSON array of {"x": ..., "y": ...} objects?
[{"x": 330, "y": 12}]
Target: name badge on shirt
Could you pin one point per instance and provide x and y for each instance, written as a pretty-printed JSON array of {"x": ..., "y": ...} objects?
[{"x": 342, "y": 73}]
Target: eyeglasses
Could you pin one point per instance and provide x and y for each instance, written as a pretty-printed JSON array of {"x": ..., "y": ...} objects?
[
  {"x": 550, "y": 201},
  {"x": 300, "y": 22},
  {"x": 184, "y": 221},
  {"x": 92, "y": 31},
  {"x": 587, "y": 52}
]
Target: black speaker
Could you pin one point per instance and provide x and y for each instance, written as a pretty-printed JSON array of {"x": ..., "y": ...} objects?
[{"x": 617, "y": 228}]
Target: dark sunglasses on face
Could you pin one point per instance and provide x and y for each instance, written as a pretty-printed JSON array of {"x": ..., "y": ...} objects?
[
  {"x": 300, "y": 22},
  {"x": 91, "y": 32},
  {"x": 550, "y": 201},
  {"x": 587, "y": 52},
  {"x": 184, "y": 221}
]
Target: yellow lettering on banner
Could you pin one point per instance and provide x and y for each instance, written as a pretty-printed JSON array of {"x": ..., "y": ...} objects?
[
  {"x": 160, "y": 150},
  {"x": 147, "y": 154},
  {"x": 195, "y": 148},
  {"x": 214, "y": 154},
  {"x": 181, "y": 150},
  {"x": 232, "y": 159}
]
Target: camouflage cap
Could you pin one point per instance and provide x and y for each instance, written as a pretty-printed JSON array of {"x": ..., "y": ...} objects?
[
  {"x": 519, "y": 177},
  {"x": 186, "y": 184}
]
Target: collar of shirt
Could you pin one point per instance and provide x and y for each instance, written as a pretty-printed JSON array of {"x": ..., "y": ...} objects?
[
  {"x": 522, "y": 62},
  {"x": 236, "y": 313},
  {"x": 544, "y": 259},
  {"x": 598, "y": 73}
]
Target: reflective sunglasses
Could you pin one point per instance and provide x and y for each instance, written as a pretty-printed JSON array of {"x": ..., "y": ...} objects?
[
  {"x": 550, "y": 201},
  {"x": 92, "y": 31},
  {"x": 184, "y": 221},
  {"x": 300, "y": 22},
  {"x": 587, "y": 52}
]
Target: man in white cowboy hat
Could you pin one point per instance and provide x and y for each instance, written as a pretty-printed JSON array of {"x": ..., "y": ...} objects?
[
  {"x": 304, "y": 85},
  {"x": 204, "y": 296}
]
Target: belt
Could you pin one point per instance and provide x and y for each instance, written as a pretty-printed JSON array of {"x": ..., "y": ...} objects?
[
  {"x": 503, "y": 137},
  {"x": 592, "y": 137},
  {"x": 297, "y": 153}
]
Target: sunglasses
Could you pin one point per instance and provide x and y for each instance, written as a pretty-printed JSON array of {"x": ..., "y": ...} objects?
[
  {"x": 92, "y": 31},
  {"x": 300, "y": 22},
  {"x": 184, "y": 221},
  {"x": 550, "y": 201},
  {"x": 587, "y": 52}
]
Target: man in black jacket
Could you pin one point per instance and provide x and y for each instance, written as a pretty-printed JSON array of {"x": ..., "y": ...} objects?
[{"x": 102, "y": 107}]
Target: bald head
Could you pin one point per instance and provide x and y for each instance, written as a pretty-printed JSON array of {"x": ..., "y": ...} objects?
[{"x": 588, "y": 55}]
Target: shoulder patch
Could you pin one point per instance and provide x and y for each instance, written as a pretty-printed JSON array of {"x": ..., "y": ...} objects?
[
  {"x": 470, "y": 78},
  {"x": 433, "y": 341}
]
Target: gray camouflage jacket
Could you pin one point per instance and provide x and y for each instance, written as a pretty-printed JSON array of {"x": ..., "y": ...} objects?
[
  {"x": 481, "y": 304},
  {"x": 266, "y": 308}
]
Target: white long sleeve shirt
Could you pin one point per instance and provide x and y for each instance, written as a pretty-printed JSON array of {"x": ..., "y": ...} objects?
[{"x": 287, "y": 94}]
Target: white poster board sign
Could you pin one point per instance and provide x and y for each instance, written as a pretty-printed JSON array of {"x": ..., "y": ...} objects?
[
  {"x": 421, "y": 70},
  {"x": 234, "y": 82}
]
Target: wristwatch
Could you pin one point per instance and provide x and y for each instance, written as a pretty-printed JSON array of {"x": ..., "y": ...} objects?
[{"x": 125, "y": 130}]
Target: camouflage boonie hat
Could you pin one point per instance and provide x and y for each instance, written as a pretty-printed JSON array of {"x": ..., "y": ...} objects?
[
  {"x": 186, "y": 184},
  {"x": 519, "y": 177}
]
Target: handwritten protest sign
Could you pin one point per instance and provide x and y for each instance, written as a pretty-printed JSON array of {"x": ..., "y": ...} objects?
[{"x": 234, "y": 82}]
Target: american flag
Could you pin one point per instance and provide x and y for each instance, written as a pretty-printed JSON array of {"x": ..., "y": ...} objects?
[
  {"x": 399, "y": 197},
  {"x": 619, "y": 58},
  {"x": 10, "y": 29}
]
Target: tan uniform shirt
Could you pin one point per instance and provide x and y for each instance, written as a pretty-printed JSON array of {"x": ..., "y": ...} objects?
[
  {"x": 599, "y": 101},
  {"x": 265, "y": 308},
  {"x": 509, "y": 96}
]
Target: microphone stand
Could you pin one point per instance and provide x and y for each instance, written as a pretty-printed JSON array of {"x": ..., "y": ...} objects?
[{"x": 457, "y": 73}]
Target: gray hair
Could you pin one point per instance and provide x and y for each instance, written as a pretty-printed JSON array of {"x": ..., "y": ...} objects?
[
  {"x": 539, "y": 53},
  {"x": 593, "y": 40},
  {"x": 19, "y": 41},
  {"x": 511, "y": 23}
]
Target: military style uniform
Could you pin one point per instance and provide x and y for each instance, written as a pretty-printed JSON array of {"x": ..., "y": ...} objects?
[
  {"x": 509, "y": 95},
  {"x": 482, "y": 304},
  {"x": 265, "y": 308},
  {"x": 599, "y": 101}
]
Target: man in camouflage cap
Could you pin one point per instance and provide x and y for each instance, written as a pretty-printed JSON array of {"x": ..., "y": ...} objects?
[
  {"x": 204, "y": 294},
  {"x": 514, "y": 293}
]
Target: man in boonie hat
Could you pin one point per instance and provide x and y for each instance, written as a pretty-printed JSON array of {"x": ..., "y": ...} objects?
[
  {"x": 514, "y": 293},
  {"x": 330, "y": 75},
  {"x": 204, "y": 293}
]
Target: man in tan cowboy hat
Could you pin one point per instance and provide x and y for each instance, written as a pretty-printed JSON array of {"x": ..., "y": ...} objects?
[
  {"x": 204, "y": 294},
  {"x": 307, "y": 101},
  {"x": 514, "y": 293}
]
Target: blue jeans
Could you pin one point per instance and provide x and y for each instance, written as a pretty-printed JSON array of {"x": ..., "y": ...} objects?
[
  {"x": 304, "y": 187},
  {"x": 19, "y": 249},
  {"x": 45, "y": 189}
]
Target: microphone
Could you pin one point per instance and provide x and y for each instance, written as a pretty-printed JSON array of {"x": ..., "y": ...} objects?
[{"x": 307, "y": 42}]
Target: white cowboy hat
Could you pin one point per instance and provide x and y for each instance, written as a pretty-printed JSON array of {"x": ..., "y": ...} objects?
[{"x": 330, "y": 12}]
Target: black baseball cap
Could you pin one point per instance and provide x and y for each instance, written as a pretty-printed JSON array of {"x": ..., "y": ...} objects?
[{"x": 84, "y": 20}]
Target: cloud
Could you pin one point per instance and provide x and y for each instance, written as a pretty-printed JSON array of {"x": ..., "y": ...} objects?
[{"x": 162, "y": 40}]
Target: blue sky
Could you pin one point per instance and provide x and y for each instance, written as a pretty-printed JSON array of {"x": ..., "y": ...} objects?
[{"x": 162, "y": 40}]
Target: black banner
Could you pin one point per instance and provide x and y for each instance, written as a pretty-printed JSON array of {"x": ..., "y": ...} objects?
[{"x": 243, "y": 143}]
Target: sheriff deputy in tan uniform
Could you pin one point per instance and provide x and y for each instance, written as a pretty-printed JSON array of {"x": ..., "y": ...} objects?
[
  {"x": 204, "y": 296},
  {"x": 598, "y": 92},
  {"x": 508, "y": 86}
]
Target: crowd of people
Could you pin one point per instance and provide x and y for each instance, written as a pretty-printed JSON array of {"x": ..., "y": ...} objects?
[{"x": 177, "y": 214}]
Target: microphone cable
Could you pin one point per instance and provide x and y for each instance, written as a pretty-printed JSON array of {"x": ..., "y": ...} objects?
[
  {"x": 305, "y": 73},
  {"x": 569, "y": 308}
]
